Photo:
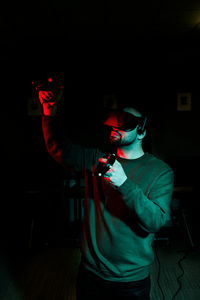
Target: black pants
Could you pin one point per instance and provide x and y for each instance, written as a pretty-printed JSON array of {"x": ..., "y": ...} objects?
[{"x": 91, "y": 287}]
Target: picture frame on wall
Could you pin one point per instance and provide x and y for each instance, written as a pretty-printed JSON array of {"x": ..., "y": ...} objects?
[{"x": 184, "y": 101}]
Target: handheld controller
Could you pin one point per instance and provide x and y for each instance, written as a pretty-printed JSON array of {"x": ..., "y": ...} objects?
[{"x": 102, "y": 169}]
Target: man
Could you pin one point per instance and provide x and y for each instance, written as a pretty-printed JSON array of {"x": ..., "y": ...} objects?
[{"x": 123, "y": 208}]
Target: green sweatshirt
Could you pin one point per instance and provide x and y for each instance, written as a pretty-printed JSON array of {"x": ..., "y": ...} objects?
[{"x": 119, "y": 223}]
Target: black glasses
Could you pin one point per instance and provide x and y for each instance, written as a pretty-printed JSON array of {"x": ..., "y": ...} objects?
[{"x": 124, "y": 121}]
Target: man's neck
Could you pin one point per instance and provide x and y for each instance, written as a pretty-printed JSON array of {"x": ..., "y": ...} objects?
[{"x": 130, "y": 152}]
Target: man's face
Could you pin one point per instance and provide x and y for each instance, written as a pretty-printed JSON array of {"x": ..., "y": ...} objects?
[
  {"x": 123, "y": 127},
  {"x": 122, "y": 138}
]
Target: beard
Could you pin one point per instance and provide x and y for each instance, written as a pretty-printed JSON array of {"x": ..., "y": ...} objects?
[
  {"x": 116, "y": 139},
  {"x": 115, "y": 142},
  {"x": 119, "y": 141}
]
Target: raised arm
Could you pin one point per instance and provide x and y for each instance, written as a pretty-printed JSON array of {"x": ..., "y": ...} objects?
[{"x": 61, "y": 148}]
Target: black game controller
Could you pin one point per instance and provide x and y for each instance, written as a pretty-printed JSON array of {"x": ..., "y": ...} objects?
[{"x": 103, "y": 168}]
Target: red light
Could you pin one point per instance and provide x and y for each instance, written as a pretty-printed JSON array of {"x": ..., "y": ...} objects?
[{"x": 50, "y": 79}]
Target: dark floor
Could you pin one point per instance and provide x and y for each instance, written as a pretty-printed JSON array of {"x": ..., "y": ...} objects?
[
  {"x": 176, "y": 269},
  {"x": 49, "y": 272}
]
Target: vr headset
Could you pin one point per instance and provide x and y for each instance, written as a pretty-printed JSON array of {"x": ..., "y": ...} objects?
[{"x": 125, "y": 121}]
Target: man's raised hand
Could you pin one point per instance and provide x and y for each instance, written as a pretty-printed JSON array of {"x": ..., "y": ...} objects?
[{"x": 49, "y": 101}]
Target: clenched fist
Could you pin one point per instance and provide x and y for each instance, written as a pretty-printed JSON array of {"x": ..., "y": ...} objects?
[{"x": 49, "y": 101}]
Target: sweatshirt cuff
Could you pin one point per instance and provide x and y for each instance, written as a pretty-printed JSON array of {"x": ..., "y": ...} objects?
[{"x": 126, "y": 187}]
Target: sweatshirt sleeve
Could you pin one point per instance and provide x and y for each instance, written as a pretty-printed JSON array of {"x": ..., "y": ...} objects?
[
  {"x": 153, "y": 209},
  {"x": 63, "y": 150}
]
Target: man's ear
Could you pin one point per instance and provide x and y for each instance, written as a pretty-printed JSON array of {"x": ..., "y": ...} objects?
[{"x": 141, "y": 136}]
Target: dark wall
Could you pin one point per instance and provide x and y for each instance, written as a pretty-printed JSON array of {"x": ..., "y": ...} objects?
[{"x": 150, "y": 74}]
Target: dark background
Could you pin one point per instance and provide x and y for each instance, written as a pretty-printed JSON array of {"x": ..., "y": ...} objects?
[{"x": 147, "y": 51}]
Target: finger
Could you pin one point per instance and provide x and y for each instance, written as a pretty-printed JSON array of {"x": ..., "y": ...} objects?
[
  {"x": 107, "y": 175},
  {"x": 42, "y": 94},
  {"x": 45, "y": 95},
  {"x": 48, "y": 94},
  {"x": 107, "y": 179},
  {"x": 110, "y": 168},
  {"x": 109, "y": 172},
  {"x": 51, "y": 94},
  {"x": 103, "y": 160}
]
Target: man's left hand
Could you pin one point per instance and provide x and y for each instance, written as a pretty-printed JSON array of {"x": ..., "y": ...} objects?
[{"x": 115, "y": 175}]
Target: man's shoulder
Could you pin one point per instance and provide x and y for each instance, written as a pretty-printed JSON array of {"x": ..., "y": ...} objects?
[{"x": 158, "y": 163}]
